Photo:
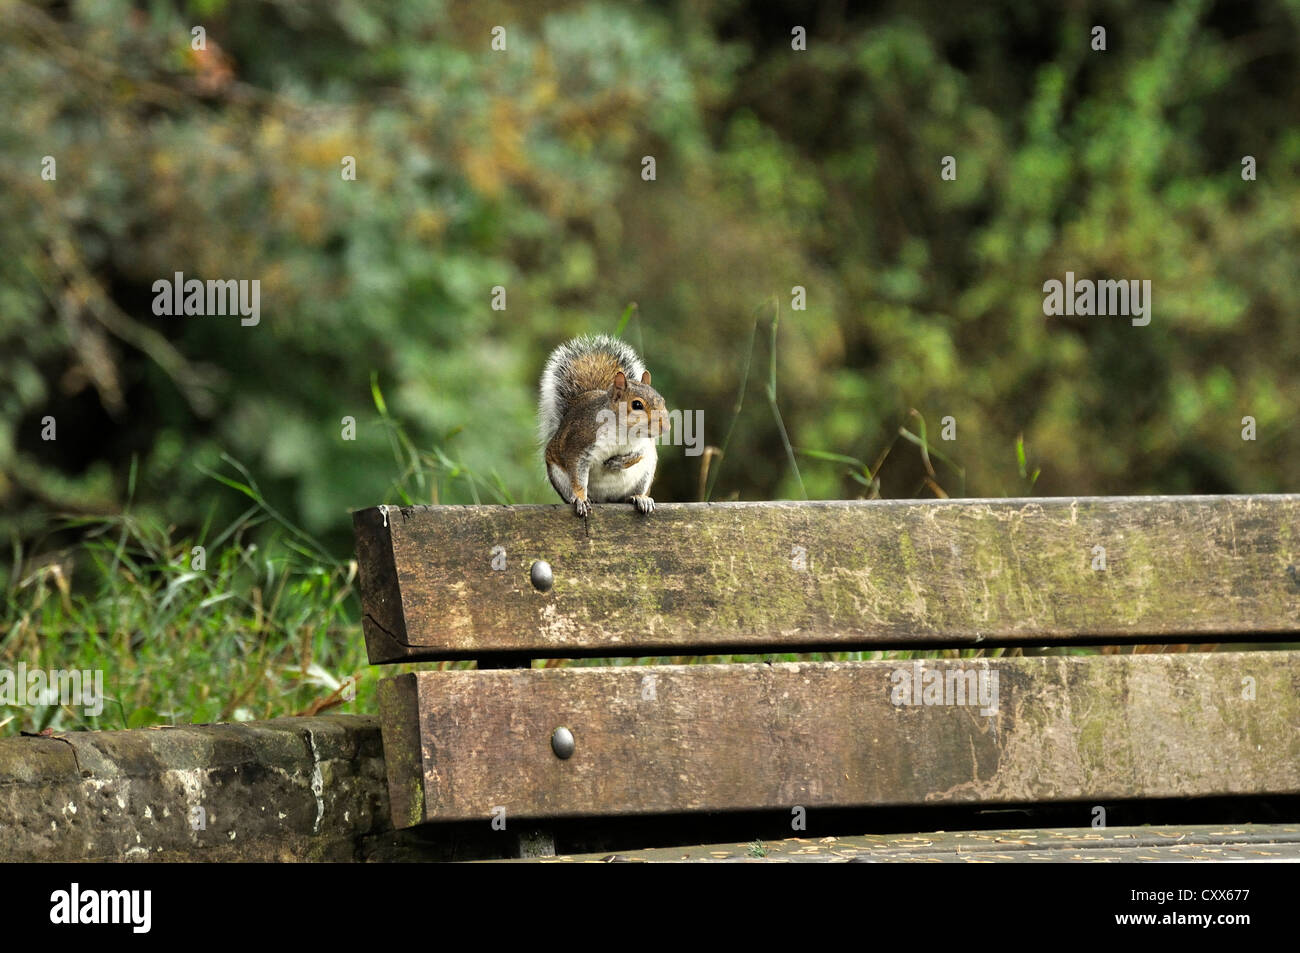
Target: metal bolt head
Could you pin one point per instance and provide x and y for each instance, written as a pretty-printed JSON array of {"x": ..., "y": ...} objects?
[
  {"x": 562, "y": 743},
  {"x": 542, "y": 576}
]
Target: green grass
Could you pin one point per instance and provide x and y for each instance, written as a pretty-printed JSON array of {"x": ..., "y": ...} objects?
[
  {"x": 255, "y": 620},
  {"x": 262, "y": 630}
]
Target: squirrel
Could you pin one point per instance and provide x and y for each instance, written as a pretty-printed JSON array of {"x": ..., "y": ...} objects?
[{"x": 598, "y": 418}]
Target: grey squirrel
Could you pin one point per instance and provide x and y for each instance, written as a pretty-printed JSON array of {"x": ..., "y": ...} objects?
[{"x": 598, "y": 418}]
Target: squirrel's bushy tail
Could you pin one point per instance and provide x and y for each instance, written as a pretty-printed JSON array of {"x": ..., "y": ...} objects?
[{"x": 577, "y": 366}]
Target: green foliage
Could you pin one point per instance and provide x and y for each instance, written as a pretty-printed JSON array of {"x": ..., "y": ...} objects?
[
  {"x": 259, "y": 631},
  {"x": 521, "y": 169}
]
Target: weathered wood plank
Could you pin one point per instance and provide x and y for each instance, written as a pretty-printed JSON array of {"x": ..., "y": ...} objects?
[
  {"x": 696, "y": 578},
  {"x": 1248, "y": 843},
  {"x": 382, "y": 620},
  {"x": 660, "y": 739},
  {"x": 403, "y": 762}
]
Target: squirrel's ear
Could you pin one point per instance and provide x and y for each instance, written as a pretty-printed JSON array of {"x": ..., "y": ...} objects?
[
  {"x": 645, "y": 377},
  {"x": 620, "y": 381}
]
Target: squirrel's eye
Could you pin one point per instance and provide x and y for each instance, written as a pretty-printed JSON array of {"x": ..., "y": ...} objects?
[{"x": 637, "y": 405}]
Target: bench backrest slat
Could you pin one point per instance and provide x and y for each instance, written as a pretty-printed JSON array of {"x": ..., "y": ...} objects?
[
  {"x": 454, "y": 582},
  {"x": 650, "y": 739}
]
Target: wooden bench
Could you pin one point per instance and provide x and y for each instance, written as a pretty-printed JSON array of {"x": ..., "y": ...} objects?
[{"x": 1016, "y": 712}]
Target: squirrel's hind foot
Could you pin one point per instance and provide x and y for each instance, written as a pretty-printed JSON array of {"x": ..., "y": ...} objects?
[{"x": 643, "y": 503}]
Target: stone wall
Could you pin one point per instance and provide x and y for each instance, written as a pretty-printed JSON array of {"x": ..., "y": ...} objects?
[{"x": 285, "y": 790}]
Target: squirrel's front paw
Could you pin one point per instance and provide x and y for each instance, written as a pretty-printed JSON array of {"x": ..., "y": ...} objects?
[
  {"x": 582, "y": 507},
  {"x": 643, "y": 503}
]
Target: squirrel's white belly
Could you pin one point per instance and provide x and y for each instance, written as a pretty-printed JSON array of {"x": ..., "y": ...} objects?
[{"x": 606, "y": 485}]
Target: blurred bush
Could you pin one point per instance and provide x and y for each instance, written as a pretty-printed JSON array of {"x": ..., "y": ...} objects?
[{"x": 522, "y": 169}]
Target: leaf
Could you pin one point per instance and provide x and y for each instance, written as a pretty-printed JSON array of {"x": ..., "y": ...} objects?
[
  {"x": 627, "y": 316},
  {"x": 377, "y": 395},
  {"x": 832, "y": 457}
]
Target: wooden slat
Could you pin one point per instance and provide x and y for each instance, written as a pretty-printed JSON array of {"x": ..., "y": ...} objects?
[
  {"x": 665, "y": 739},
  {"x": 403, "y": 760},
  {"x": 1245, "y": 843},
  {"x": 700, "y": 578}
]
